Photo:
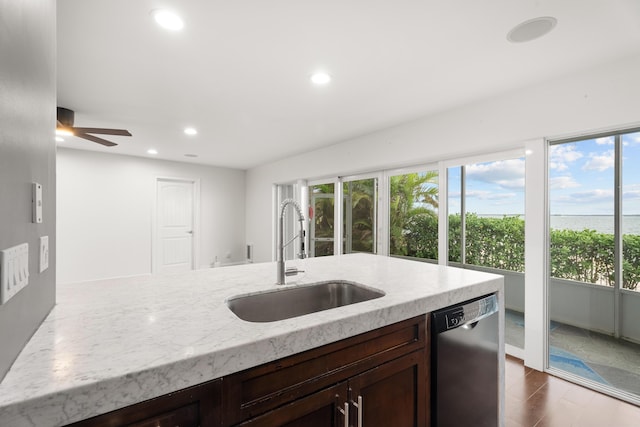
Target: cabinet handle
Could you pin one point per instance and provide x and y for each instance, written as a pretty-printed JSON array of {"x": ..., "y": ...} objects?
[
  {"x": 345, "y": 412},
  {"x": 359, "y": 406}
]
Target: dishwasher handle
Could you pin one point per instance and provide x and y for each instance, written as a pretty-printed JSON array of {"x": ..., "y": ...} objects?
[{"x": 466, "y": 314}]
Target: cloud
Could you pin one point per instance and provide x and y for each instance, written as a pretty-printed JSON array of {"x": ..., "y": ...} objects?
[
  {"x": 514, "y": 184},
  {"x": 588, "y": 197},
  {"x": 507, "y": 174},
  {"x": 490, "y": 195},
  {"x": 631, "y": 138},
  {"x": 600, "y": 161},
  {"x": 561, "y": 155},
  {"x": 607, "y": 140},
  {"x": 561, "y": 182}
]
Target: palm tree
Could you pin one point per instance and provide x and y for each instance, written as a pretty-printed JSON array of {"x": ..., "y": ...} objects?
[
  {"x": 360, "y": 199},
  {"x": 323, "y": 208},
  {"x": 411, "y": 195}
]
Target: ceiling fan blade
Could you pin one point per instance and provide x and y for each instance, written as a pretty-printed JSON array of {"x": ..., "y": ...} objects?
[
  {"x": 94, "y": 139},
  {"x": 102, "y": 131}
]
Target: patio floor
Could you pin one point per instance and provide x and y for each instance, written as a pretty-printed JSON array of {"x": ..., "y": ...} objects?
[{"x": 595, "y": 356}]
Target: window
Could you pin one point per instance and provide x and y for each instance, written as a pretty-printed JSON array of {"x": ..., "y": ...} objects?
[
  {"x": 486, "y": 214},
  {"x": 322, "y": 202},
  {"x": 630, "y": 211},
  {"x": 413, "y": 215},
  {"x": 581, "y": 201},
  {"x": 454, "y": 209},
  {"x": 360, "y": 215}
]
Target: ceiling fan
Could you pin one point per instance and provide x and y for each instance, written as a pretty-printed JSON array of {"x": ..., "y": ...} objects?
[{"x": 65, "y": 126}]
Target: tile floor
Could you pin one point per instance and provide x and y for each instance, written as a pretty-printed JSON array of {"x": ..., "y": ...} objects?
[
  {"x": 594, "y": 356},
  {"x": 536, "y": 399}
]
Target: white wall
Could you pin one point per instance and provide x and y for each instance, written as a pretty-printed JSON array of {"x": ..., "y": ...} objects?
[
  {"x": 27, "y": 154},
  {"x": 596, "y": 99},
  {"x": 105, "y": 210}
]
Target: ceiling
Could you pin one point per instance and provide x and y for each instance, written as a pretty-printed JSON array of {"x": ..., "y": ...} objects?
[{"x": 239, "y": 69}]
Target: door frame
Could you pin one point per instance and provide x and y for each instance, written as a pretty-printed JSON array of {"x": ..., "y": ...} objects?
[{"x": 195, "y": 242}]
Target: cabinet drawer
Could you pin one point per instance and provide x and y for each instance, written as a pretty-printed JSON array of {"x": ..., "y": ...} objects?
[
  {"x": 320, "y": 409},
  {"x": 257, "y": 390},
  {"x": 187, "y": 416},
  {"x": 198, "y": 406}
]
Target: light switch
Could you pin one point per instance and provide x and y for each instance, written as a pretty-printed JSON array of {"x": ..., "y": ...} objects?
[
  {"x": 14, "y": 271},
  {"x": 44, "y": 253}
]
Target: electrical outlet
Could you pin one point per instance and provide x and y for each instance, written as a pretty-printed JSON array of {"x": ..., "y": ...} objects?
[
  {"x": 14, "y": 271},
  {"x": 36, "y": 200},
  {"x": 44, "y": 253}
]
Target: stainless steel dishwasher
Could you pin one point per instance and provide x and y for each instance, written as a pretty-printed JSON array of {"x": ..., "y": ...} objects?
[{"x": 464, "y": 364}]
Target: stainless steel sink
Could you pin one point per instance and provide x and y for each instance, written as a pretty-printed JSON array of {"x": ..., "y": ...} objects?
[{"x": 286, "y": 303}]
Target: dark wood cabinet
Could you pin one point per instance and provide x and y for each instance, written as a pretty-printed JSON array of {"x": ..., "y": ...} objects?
[
  {"x": 393, "y": 394},
  {"x": 198, "y": 406},
  {"x": 388, "y": 395},
  {"x": 379, "y": 378},
  {"x": 325, "y": 408}
]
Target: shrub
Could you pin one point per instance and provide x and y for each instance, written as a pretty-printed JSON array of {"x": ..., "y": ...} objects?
[{"x": 585, "y": 256}]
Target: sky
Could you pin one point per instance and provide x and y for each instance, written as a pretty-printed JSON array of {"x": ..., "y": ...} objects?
[
  {"x": 581, "y": 177},
  {"x": 581, "y": 180},
  {"x": 492, "y": 188}
]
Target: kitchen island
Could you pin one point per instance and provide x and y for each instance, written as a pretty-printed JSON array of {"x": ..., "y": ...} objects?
[{"x": 112, "y": 343}]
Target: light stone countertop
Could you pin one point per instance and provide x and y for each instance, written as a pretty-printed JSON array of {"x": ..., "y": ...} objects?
[{"x": 112, "y": 343}]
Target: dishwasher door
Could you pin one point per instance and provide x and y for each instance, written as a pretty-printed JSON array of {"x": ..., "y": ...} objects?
[{"x": 464, "y": 364}]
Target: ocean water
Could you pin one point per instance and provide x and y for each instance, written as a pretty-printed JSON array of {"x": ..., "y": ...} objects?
[{"x": 600, "y": 223}]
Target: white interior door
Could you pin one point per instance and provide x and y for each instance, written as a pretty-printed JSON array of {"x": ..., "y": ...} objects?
[{"x": 174, "y": 226}]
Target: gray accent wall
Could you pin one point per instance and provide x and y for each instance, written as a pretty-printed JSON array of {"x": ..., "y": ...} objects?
[{"x": 27, "y": 154}]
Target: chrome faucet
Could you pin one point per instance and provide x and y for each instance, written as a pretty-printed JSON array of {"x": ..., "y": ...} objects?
[{"x": 281, "y": 271}]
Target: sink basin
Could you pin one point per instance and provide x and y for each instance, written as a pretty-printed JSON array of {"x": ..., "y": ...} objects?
[{"x": 286, "y": 303}]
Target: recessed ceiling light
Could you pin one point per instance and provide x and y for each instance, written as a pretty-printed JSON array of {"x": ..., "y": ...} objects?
[
  {"x": 152, "y": 151},
  {"x": 167, "y": 19},
  {"x": 532, "y": 29},
  {"x": 320, "y": 78},
  {"x": 190, "y": 131}
]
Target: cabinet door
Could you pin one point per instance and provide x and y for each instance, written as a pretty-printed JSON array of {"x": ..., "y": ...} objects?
[
  {"x": 325, "y": 408},
  {"x": 393, "y": 394}
]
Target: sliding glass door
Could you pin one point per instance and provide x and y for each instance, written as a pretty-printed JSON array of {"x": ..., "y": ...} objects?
[{"x": 594, "y": 238}]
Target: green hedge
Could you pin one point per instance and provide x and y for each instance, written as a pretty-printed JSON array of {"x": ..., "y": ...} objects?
[{"x": 585, "y": 256}]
